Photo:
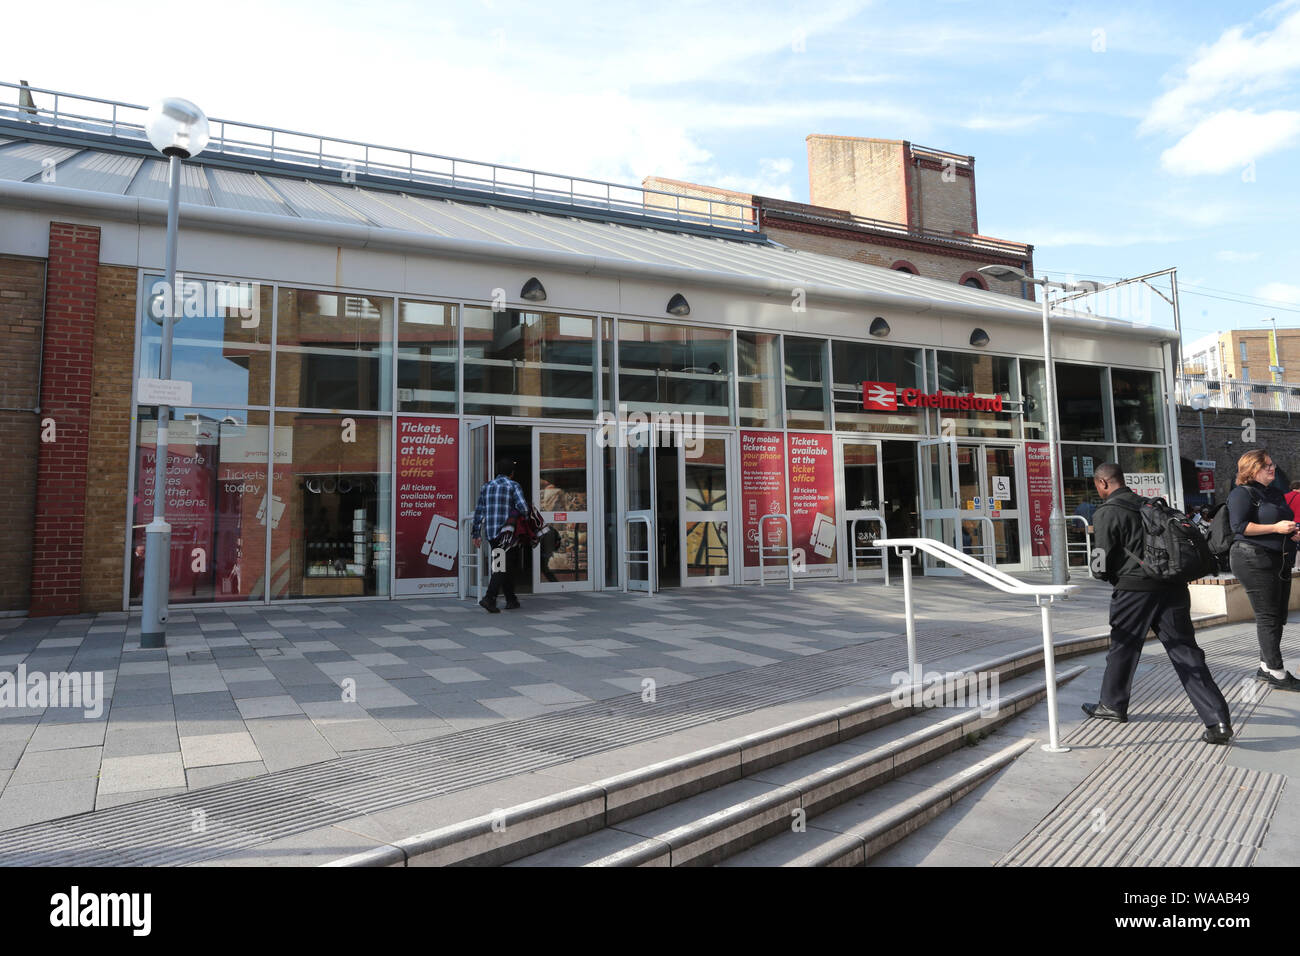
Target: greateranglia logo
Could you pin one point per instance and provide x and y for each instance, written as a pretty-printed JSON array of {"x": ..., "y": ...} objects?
[{"x": 885, "y": 396}]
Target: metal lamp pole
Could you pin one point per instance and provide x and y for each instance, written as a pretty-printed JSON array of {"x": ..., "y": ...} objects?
[
  {"x": 1056, "y": 520},
  {"x": 179, "y": 130}
]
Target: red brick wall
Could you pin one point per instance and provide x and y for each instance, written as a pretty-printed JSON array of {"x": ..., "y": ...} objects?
[
  {"x": 67, "y": 364},
  {"x": 22, "y": 303}
]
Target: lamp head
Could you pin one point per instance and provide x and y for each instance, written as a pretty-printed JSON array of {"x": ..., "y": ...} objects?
[{"x": 177, "y": 127}]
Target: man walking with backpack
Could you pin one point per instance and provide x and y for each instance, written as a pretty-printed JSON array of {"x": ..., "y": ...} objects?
[{"x": 1141, "y": 602}]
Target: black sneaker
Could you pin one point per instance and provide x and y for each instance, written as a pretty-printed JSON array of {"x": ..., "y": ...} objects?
[
  {"x": 1286, "y": 682},
  {"x": 512, "y": 605},
  {"x": 1102, "y": 712},
  {"x": 490, "y": 608}
]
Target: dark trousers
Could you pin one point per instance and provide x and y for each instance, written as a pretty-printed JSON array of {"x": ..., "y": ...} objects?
[
  {"x": 1266, "y": 576},
  {"x": 1132, "y": 616},
  {"x": 501, "y": 581}
]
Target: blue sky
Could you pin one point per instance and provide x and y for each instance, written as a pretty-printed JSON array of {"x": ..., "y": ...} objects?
[{"x": 1118, "y": 138}]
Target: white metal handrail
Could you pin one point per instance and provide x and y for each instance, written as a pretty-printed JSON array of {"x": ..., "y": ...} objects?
[
  {"x": 647, "y": 553},
  {"x": 1072, "y": 547},
  {"x": 857, "y": 552},
  {"x": 1043, "y": 595},
  {"x": 989, "y": 547},
  {"x": 762, "y": 548},
  {"x": 470, "y": 559}
]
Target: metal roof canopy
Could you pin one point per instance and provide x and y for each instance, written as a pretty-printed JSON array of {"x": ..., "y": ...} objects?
[{"x": 238, "y": 198}]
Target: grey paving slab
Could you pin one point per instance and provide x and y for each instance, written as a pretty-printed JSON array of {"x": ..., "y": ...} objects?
[
  {"x": 289, "y": 742},
  {"x": 146, "y": 772},
  {"x": 209, "y": 750},
  {"x": 67, "y": 736},
  {"x": 23, "y": 804},
  {"x": 278, "y": 706},
  {"x": 48, "y": 766},
  {"x": 130, "y": 741}
]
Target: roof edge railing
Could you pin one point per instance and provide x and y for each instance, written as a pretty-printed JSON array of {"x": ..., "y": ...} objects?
[{"x": 120, "y": 120}]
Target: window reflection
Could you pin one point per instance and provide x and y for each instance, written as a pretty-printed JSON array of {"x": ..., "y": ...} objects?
[
  {"x": 529, "y": 363},
  {"x": 221, "y": 339},
  {"x": 675, "y": 368},
  {"x": 334, "y": 350}
]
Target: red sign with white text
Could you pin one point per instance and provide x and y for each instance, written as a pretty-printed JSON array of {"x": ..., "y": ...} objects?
[
  {"x": 812, "y": 500},
  {"x": 762, "y": 491},
  {"x": 426, "y": 543},
  {"x": 1038, "y": 474},
  {"x": 884, "y": 396}
]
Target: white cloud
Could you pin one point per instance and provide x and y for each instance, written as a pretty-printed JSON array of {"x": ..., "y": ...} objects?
[
  {"x": 1230, "y": 139},
  {"x": 1233, "y": 64},
  {"x": 1279, "y": 292},
  {"x": 1229, "y": 255}
]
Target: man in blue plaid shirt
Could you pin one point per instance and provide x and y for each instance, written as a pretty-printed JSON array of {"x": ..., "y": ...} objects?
[{"x": 496, "y": 499}]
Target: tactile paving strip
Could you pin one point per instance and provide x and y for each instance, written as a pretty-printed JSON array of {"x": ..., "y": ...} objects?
[
  {"x": 209, "y": 823},
  {"x": 1164, "y": 798}
]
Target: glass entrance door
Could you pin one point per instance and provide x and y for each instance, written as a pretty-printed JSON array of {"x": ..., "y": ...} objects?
[
  {"x": 989, "y": 497},
  {"x": 941, "y": 514},
  {"x": 704, "y": 474},
  {"x": 639, "y": 503},
  {"x": 562, "y": 493},
  {"x": 476, "y": 466},
  {"x": 861, "y": 492}
]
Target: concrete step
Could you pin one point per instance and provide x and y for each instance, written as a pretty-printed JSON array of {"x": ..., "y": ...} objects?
[
  {"x": 707, "y": 828},
  {"x": 855, "y": 832}
]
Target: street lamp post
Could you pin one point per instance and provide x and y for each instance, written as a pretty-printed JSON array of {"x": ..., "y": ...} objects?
[
  {"x": 1056, "y": 521},
  {"x": 1200, "y": 402},
  {"x": 177, "y": 129}
]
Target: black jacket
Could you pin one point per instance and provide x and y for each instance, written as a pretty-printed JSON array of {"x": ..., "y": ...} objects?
[{"x": 1117, "y": 532}]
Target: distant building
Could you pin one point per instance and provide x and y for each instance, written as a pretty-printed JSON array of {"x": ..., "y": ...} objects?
[
  {"x": 883, "y": 202},
  {"x": 1244, "y": 356}
]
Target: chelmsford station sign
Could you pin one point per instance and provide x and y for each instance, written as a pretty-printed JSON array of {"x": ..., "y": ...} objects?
[{"x": 886, "y": 396}]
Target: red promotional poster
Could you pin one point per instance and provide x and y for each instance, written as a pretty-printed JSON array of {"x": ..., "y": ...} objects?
[
  {"x": 812, "y": 500},
  {"x": 762, "y": 491},
  {"x": 427, "y": 537},
  {"x": 1038, "y": 471},
  {"x": 189, "y": 495}
]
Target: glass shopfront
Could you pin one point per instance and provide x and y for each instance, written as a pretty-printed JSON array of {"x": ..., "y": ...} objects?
[{"x": 326, "y": 432}]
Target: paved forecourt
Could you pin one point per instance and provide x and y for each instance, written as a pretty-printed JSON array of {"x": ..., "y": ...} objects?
[{"x": 241, "y": 692}]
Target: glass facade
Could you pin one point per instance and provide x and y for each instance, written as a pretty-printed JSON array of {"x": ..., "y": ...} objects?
[
  {"x": 853, "y": 363},
  {"x": 280, "y": 481}
]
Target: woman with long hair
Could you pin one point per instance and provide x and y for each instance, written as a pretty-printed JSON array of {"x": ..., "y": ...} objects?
[{"x": 1265, "y": 530}]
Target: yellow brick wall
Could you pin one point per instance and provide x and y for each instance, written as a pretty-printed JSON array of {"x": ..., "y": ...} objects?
[{"x": 864, "y": 176}]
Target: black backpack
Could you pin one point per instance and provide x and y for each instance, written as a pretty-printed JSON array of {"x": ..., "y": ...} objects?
[
  {"x": 1173, "y": 549},
  {"x": 1221, "y": 533}
]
